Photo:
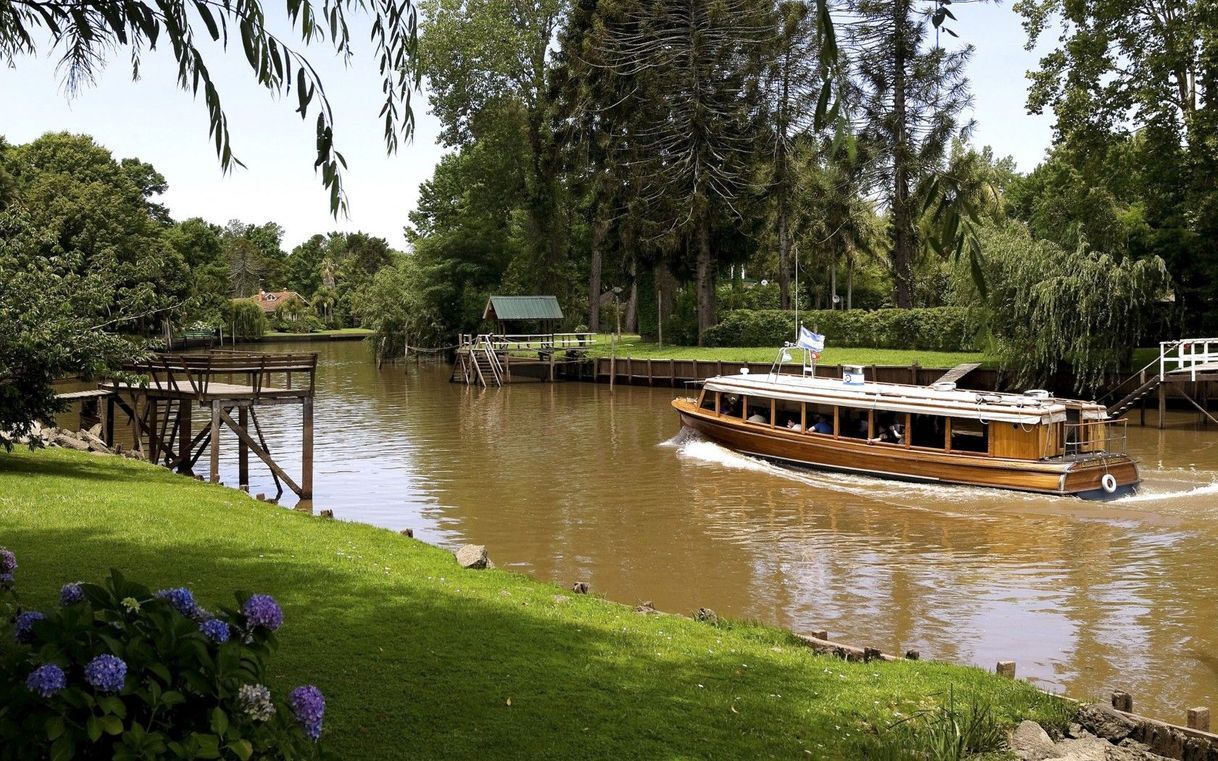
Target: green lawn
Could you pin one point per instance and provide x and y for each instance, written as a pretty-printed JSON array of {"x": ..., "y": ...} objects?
[
  {"x": 333, "y": 332},
  {"x": 421, "y": 659},
  {"x": 637, "y": 348}
]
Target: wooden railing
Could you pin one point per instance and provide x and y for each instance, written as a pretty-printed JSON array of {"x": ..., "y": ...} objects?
[
  {"x": 260, "y": 371},
  {"x": 536, "y": 341}
]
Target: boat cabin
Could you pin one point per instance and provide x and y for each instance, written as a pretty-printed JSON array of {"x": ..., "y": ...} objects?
[{"x": 940, "y": 418}]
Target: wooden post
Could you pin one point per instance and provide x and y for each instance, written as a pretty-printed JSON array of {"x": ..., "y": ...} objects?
[
  {"x": 650, "y": 374},
  {"x": 243, "y": 451},
  {"x": 214, "y": 470},
  {"x": 913, "y": 372},
  {"x": 1162, "y": 404},
  {"x": 1006, "y": 668},
  {"x": 306, "y": 449},
  {"x": 1199, "y": 718},
  {"x": 820, "y": 634},
  {"x": 913, "y": 655},
  {"x": 137, "y": 428},
  {"x": 672, "y": 371},
  {"x": 184, "y": 424},
  {"x": 108, "y": 428},
  {"x": 1122, "y": 701}
]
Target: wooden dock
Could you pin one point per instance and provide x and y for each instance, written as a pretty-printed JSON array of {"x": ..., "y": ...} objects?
[{"x": 230, "y": 386}]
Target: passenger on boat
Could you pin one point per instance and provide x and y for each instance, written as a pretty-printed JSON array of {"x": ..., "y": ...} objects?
[
  {"x": 794, "y": 425},
  {"x": 891, "y": 433},
  {"x": 821, "y": 425},
  {"x": 757, "y": 417}
]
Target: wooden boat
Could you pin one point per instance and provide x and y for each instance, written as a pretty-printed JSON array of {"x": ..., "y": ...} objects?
[{"x": 1028, "y": 442}]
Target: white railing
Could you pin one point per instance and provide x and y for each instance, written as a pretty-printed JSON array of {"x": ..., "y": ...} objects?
[
  {"x": 531, "y": 340},
  {"x": 1188, "y": 354}
]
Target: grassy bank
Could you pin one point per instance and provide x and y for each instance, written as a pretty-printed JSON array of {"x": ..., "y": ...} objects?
[
  {"x": 321, "y": 334},
  {"x": 637, "y": 348},
  {"x": 421, "y": 659}
]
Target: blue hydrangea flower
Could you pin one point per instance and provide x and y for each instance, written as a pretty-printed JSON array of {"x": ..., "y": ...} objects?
[
  {"x": 6, "y": 581},
  {"x": 23, "y": 629},
  {"x": 309, "y": 707},
  {"x": 262, "y": 610},
  {"x": 181, "y": 599},
  {"x": 8, "y": 561},
  {"x": 70, "y": 594},
  {"x": 46, "y": 680},
  {"x": 106, "y": 673},
  {"x": 215, "y": 630}
]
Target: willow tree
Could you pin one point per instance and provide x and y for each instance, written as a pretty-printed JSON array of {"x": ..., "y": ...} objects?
[
  {"x": 87, "y": 35},
  {"x": 1048, "y": 306},
  {"x": 906, "y": 99}
]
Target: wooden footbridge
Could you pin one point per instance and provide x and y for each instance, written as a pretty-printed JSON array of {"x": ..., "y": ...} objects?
[
  {"x": 159, "y": 406},
  {"x": 1184, "y": 365}
]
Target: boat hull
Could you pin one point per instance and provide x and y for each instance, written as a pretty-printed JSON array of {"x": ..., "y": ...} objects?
[{"x": 1078, "y": 477}]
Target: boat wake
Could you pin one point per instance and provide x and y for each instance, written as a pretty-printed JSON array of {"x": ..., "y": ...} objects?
[
  {"x": 692, "y": 446},
  {"x": 1152, "y": 494}
]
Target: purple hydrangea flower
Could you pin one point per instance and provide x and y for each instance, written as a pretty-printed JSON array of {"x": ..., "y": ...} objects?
[
  {"x": 70, "y": 594},
  {"x": 8, "y": 561},
  {"x": 23, "y": 629},
  {"x": 309, "y": 706},
  {"x": 215, "y": 630},
  {"x": 6, "y": 581},
  {"x": 46, "y": 680},
  {"x": 181, "y": 599},
  {"x": 262, "y": 610},
  {"x": 106, "y": 673}
]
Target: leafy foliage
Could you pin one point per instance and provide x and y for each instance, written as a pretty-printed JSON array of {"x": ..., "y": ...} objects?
[
  {"x": 1047, "y": 306},
  {"x": 935, "y": 328},
  {"x": 88, "y": 35},
  {"x": 118, "y": 672}
]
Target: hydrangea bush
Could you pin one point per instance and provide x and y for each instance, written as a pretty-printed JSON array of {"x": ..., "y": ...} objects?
[{"x": 118, "y": 671}]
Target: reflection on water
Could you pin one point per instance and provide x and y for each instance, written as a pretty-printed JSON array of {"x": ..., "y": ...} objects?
[{"x": 569, "y": 481}]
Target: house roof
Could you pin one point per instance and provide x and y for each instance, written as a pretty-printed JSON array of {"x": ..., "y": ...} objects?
[
  {"x": 522, "y": 308},
  {"x": 268, "y": 300}
]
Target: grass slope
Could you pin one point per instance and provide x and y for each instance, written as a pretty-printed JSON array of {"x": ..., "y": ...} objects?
[
  {"x": 637, "y": 348},
  {"x": 419, "y": 658}
]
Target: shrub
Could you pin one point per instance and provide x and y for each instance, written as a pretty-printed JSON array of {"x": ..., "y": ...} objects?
[
  {"x": 933, "y": 328},
  {"x": 245, "y": 319},
  {"x": 117, "y": 671}
]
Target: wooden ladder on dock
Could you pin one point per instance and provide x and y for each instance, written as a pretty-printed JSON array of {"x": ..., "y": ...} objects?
[{"x": 478, "y": 363}]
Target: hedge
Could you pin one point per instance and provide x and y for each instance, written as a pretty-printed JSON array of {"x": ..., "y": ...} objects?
[{"x": 931, "y": 328}]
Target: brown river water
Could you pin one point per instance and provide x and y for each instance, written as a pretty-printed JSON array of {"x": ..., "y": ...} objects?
[{"x": 570, "y": 482}]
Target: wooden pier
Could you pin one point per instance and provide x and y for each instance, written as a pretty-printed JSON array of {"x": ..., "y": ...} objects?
[
  {"x": 489, "y": 359},
  {"x": 160, "y": 404}
]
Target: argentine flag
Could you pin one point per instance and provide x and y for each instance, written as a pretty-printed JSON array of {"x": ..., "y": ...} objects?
[{"x": 810, "y": 340}]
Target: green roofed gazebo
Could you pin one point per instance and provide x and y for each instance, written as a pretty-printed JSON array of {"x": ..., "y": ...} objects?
[{"x": 540, "y": 309}]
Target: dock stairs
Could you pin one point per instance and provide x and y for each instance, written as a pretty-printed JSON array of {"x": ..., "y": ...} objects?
[{"x": 478, "y": 364}]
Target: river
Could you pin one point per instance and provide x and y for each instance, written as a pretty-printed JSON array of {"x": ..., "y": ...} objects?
[{"x": 570, "y": 482}]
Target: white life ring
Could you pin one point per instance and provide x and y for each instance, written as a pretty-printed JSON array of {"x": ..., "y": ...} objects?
[{"x": 1109, "y": 483}]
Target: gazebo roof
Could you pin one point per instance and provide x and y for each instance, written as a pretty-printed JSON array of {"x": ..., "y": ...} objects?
[{"x": 506, "y": 308}]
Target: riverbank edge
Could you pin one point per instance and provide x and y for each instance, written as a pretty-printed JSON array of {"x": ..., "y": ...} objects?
[{"x": 53, "y": 480}]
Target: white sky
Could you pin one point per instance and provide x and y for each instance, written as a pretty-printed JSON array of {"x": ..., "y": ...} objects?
[{"x": 155, "y": 121}]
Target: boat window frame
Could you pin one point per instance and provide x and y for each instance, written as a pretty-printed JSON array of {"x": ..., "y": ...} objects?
[{"x": 985, "y": 437}]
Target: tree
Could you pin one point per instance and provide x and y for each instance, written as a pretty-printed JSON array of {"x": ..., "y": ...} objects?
[
  {"x": 701, "y": 135},
  {"x": 302, "y": 271},
  {"x": 89, "y": 34},
  {"x": 906, "y": 99},
  {"x": 486, "y": 66},
  {"x": 199, "y": 243},
  {"x": 74, "y": 191},
  {"x": 57, "y": 321},
  {"x": 1134, "y": 91}
]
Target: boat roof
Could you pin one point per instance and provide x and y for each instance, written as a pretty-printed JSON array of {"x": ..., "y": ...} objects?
[{"x": 898, "y": 397}]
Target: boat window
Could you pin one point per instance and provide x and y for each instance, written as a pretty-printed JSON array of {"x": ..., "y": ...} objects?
[
  {"x": 853, "y": 423},
  {"x": 730, "y": 404},
  {"x": 708, "y": 400},
  {"x": 969, "y": 435},
  {"x": 927, "y": 431},
  {"x": 758, "y": 410},
  {"x": 889, "y": 428},
  {"x": 820, "y": 418},
  {"x": 788, "y": 415}
]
